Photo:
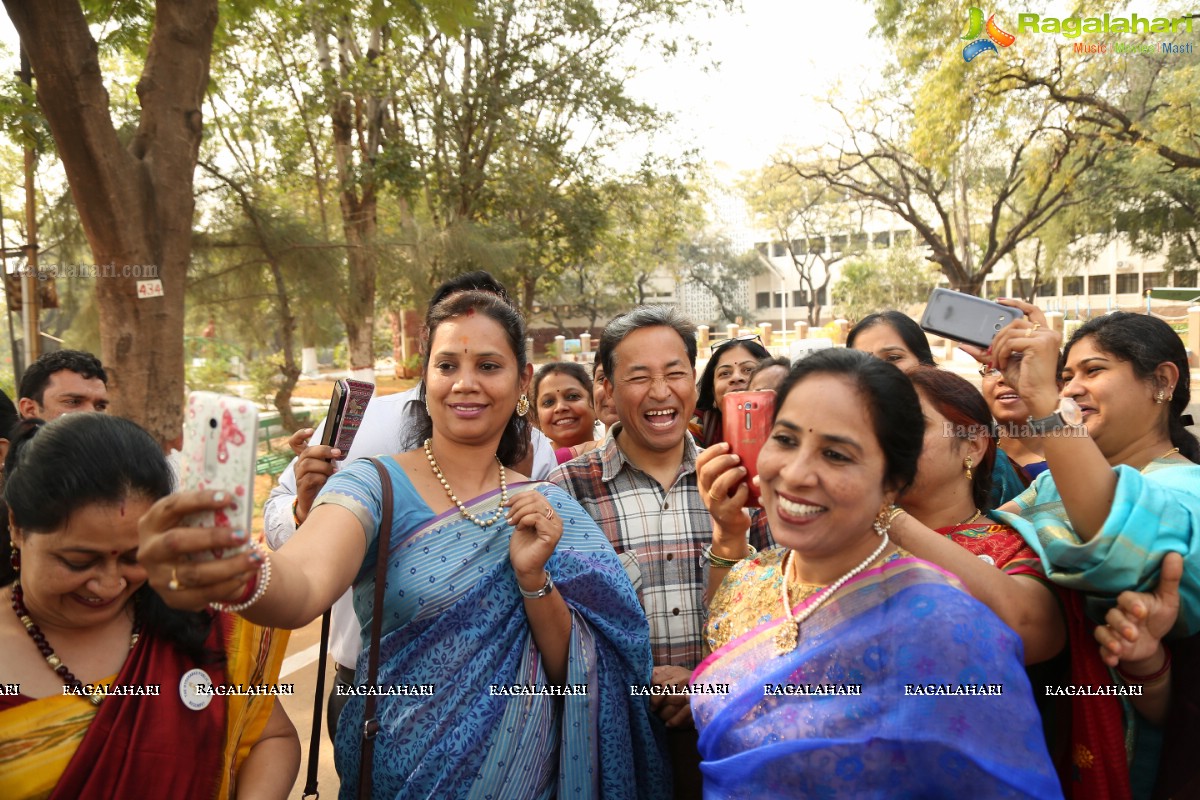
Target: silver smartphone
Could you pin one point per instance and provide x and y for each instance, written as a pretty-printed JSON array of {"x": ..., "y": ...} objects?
[{"x": 965, "y": 317}]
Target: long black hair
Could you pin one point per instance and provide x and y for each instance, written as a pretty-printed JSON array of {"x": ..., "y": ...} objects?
[
  {"x": 56, "y": 469},
  {"x": 892, "y": 403},
  {"x": 1145, "y": 342},
  {"x": 514, "y": 442}
]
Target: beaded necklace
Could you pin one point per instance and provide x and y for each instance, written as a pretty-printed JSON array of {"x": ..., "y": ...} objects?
[
  {"x": 437, "y": 471},
  {"x": 55, "y": 663}
]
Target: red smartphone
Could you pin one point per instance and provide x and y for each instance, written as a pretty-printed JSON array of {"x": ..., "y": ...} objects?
[
  {"x": 746, "y": 424},
  {"x": 346, "y": 409}
]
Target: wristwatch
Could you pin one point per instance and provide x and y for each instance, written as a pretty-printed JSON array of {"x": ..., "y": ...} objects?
[
  {"x": 1067, "y": 415},
  {"x": 542, "y": 592}
]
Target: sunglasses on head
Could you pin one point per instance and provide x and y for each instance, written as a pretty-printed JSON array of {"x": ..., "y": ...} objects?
[{"x": 722, "y": 343}]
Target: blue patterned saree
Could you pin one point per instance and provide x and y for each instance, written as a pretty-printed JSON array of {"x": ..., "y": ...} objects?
[
  {"x": 455, "y": 623},
  {"x": 901, "y": 686}
]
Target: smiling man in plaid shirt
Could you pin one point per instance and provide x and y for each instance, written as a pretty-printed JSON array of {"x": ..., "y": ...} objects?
[{"x": 640, "y": 487}]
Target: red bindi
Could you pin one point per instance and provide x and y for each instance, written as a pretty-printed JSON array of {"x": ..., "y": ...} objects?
[{"x": 470, "y": 312}]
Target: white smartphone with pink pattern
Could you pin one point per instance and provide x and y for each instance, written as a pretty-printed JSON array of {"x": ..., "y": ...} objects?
[{"x": 219, "y": 449}]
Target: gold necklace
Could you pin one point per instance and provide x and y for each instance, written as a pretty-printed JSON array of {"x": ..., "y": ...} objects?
[
  {"x": 971, "y": 518},
  {"x": 1168, "y": 454},
  {"x": 788, "y": 635},
  {"x": 437, "y": 471}
]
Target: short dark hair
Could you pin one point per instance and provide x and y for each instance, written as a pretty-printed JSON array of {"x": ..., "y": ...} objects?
[
  {"x": 963, "y": 407},
  {"x": 568, "y": 368},
  {"x": 514, "y": 442},
  {"x": 37, "y": 375},
  {"x": 55, "y": 469},
  {"x": 706, "y": 385},
  {"x": 910, "y": 333},
  {"x": 1145, "y": 342},
  {"x": 470, "y": 281},
  {"x": 892, "y": 404},
  {"x": 645, "y": 317}
]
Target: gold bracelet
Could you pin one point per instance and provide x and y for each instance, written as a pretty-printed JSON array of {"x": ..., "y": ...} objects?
[{"x": 726, "y": 563}]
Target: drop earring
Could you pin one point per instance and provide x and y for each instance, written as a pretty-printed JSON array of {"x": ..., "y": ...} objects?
[
  {"x": 968, "y": 462},
  {"x": 523, "y": 406}
]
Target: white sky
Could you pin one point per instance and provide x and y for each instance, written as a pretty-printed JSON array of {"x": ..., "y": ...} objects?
[{"x": 775, "y": 61}]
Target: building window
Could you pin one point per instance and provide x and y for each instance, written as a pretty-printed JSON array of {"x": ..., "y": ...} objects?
[
  {"x": 1072, "y": 286},
  {"x": 1021, "y": 288},
  {"x": 1047, "y": 287},
  {"x": 762, "y": 299},
  {"x": 1154, "y": 280},
  {"x": 816, "y": 244},
  {"x": 778, "y": 250},
  {"x": 798, "y": 298},
  {"x": 799, "y": 246},
  {"x": 995, "y": 288},
  {"x": 902, "y": 237},
  {"x": 761, "y": 247},
  {"x": 822, "y": 297},
  {"x": 1127, "y": 284},
  {"x": 882, "y": 239},
  {"x": 1098, "y": 284},
  {"x": 1185, "y": 278},
  {"x": 859, "y": 241},
  {"x": 837, "y": 244},
  {"x": 777, "y": 299}
]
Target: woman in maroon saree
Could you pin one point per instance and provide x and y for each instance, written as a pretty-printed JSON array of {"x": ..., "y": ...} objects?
[{"x": 136, "y": 725}]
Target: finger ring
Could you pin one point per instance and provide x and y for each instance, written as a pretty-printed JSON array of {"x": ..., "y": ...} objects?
[
  {"x": 1036, "y": 325},
  {"x": 174, "y": 585},
  {"x": 549, "y": 513},
  {"x": 712, "y": 496}
]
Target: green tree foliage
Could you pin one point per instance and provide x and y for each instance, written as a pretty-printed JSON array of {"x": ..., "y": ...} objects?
[{"x": 870, "y": 283}]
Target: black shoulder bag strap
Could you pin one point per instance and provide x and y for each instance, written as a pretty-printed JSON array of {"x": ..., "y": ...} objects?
[{"x": 370, "y": 725}]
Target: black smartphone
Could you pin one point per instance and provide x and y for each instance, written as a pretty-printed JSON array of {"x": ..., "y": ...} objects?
[
  {"x": 346, "y": 409},
  {"x": 965, "y": 317}
]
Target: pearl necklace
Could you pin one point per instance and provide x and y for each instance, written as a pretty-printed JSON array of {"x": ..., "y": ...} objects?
[
  {"x": 56, "y": 664},
  {"x": 789, "y": 632},
  {"x": 437, "y": 471}
]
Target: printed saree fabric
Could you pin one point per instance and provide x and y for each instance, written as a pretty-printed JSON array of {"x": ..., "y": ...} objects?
[
  {"x": 902, "y": 685},
  {"x": 464, "y": 706},
  {"x": 1154, "y": 512},
  {"x": 144, "y": 746}
]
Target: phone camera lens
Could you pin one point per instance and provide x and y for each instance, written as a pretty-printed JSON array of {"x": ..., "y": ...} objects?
[{"x": 212, "y": 423}]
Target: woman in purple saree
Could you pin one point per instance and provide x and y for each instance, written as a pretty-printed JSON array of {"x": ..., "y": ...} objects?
[{"x": 842, "y": 667}]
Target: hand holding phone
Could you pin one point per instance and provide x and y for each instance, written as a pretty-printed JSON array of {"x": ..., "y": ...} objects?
[
  {"x": 965, "y": 317},
  {"x": 746, "y": 423},
  {"x": 219, "y": 450}
]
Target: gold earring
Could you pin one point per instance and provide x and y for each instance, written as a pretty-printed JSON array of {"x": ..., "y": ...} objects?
[
  {"x": 1159, "y": 397},
  {"x": 968, "y": 462},
  {"x": 523, "y": 406}
]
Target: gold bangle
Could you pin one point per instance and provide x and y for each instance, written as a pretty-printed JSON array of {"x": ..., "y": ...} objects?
[{"x": 726, "y": 563}]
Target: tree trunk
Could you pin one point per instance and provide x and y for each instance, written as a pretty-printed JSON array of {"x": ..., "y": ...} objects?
[{"x": 135, "y": 203}]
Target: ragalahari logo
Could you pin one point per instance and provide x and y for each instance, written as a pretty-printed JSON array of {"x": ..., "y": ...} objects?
[{"x": 994, "y": 37}]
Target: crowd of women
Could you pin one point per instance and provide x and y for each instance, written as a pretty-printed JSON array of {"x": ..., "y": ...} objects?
[{"x": 989, "y": 593}]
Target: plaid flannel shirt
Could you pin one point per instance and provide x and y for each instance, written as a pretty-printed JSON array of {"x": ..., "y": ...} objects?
[{"x": 658, "y": 535}]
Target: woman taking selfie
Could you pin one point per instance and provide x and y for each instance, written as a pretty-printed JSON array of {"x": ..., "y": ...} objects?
[
  {"x": 562, "y": 400},
  {"x": 837, "y": 605},
  {"x": 514, "y": 587},
  {"x": 1122, "y": 490},
  {"x": 83, "y": 615},
  {"x": 729, "y": 368}
]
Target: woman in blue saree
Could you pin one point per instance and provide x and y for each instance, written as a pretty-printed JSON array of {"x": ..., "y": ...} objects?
[
  {"x": 511, "y": 634},
  {"x": 842, "y": 667}
]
